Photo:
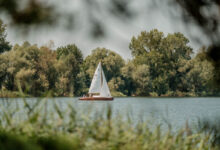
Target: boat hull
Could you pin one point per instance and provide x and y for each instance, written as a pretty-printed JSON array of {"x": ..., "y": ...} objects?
[{"x": 96, "y": 98}]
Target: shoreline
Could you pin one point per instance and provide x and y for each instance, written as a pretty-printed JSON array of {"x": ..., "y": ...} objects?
[
  {"x": 114, "y": 97},
  {"x": 17, "y": 94}
]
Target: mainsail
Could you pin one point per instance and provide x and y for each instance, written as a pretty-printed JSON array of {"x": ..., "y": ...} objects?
[
  {"x": 99, "y": 84},
  {"x": 95, "y": 86}
]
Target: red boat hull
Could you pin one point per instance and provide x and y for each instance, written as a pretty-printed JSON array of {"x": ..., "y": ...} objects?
[{"x": 96, "y": 98}]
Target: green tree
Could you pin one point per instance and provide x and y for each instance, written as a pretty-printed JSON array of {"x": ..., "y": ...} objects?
[
  {"x": 199, "y": 75},
  {"x": 29, "y": 67},
  {"x": 146, "y": 42},
  {"x": 141, "y": 76},
  {"x": 3, "y": 69},
  {"x": 127, "y": 75},
  {"x": 4, "y": 45},
  {"x": 117, "y": 86},
  {"x": 13, "y": 62},
  {"x": 70, "y": 60},
  {"x": 111, "y": 63},
  {"x": 163, "y": 56}
]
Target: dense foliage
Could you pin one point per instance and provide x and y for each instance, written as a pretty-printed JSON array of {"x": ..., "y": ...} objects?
[
  {"x": 161, "y": 66},
  {"x": 4, "y": 45},
  {"x": 164, "y": 66}
]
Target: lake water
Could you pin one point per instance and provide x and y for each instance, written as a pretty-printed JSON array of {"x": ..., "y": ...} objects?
[{"x": 176, "y": 111}]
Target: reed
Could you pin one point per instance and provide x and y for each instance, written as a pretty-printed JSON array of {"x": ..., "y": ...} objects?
[{"x": 36, "y": 125}]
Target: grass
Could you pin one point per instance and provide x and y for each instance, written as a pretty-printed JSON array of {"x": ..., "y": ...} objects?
[{"x": 37, "y": 126}]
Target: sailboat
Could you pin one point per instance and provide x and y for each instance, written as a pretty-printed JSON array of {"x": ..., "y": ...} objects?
[{"x": 99, "y": 88}]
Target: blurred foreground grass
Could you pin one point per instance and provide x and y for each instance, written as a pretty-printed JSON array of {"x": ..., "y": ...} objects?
[{"x": 32, "y": 126}]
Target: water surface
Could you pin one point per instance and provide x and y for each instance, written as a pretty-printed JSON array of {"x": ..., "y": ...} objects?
[{"x": 175, "y": 111}]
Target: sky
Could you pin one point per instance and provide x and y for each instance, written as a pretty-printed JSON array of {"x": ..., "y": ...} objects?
[{"x": 118, "y": 30}]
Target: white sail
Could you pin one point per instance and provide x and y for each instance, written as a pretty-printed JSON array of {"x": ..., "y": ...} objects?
[
  {"x": 95, "y": 86},
  {"x": 104, "y": 88}
]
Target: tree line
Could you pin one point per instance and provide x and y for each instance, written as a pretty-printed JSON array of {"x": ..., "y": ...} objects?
[{"x": 160, "y": 66}]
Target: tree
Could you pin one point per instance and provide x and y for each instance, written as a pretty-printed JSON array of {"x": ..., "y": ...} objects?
[
  {"x": 3, "y": 69},
  {"x": 163, "y": 56},
  {"x": 199, "y": 75},
  {"x": 146, "y": 42},
  {"x": 127, "y": 75},
  {"x": 14, "y": 61},
  {"x": 30, "y": 68},
  {"x": 4, "y": 45},
  {"x": 111, "y": 63},
  {"x": 117, "y": 86},
  {"x": 141, "y": 76},
  {"x": 208, "y": 22},
  {"x": 71, "y": 59}
]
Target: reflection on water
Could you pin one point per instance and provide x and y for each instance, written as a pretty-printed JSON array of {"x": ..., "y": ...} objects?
[{"x": 174, "y": 111}]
